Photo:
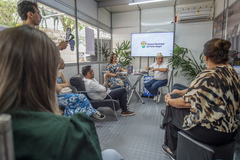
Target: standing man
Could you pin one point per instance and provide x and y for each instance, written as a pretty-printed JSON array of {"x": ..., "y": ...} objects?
[
  {"x": 160, "y": 69},
  {"x": 30, "y": 15},
  {"x": 100, "y": 92}
]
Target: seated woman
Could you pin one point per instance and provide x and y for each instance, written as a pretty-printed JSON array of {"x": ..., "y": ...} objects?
[
  {"x": 207, "y": 111},
  {"x": 28, "y": 69},
  {"x": 113, "y": 68},
  {"x": 28, "y": 93},
  {"x": 74, "y": 103}
]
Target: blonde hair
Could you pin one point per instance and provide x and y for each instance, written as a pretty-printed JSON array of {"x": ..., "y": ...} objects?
[{"x": 28, "y": 70}]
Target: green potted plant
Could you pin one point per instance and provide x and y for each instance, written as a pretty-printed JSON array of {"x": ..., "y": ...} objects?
[
  {"x": 184, "y": 60},
  {"x": 103, "y": 50},
  {"x": 124, "y": 53}
]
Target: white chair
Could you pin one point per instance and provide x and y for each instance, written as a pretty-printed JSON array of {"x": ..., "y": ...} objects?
[{"x": 168, "y": 86}]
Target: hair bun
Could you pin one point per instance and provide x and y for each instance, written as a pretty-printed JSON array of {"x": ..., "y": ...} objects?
[{"x": 223, "y": 45}]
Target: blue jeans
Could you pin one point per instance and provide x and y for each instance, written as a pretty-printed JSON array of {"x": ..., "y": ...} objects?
[
  {"x": 152, "y": 86},
  {"x": 111, "y": 154}
]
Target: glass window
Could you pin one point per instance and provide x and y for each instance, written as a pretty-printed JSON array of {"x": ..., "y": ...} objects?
[
  {"x": 104, "y": 45},
  {"x": 55, "y": 24},
  {"x": 8, "y": 13}
]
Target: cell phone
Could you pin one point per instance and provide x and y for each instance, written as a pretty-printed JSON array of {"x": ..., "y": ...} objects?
[{"x": 68, "y": 33}]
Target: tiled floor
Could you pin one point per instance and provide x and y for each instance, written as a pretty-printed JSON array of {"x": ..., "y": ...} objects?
[{"x": 137, "y": 137}]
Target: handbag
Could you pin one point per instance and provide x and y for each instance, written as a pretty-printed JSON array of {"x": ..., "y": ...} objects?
[{"x": 66, "y": 90}]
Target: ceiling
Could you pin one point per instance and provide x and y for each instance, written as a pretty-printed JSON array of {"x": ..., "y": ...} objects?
[{"x": 116, "y": 6}]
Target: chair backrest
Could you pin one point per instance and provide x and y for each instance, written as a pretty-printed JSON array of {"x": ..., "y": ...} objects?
[
  {"x": 78, "y": 82},
  {"x": 170, "y": 77},
  {"x": 6, "y": 138}
]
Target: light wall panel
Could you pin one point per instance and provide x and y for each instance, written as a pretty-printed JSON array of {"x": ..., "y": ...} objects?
[
  {"x": 125, "y": 19},
  {"x": 104, "y": 17},
  {"x": 157, "y": 19},
  {"x": 192, "y": 36}
]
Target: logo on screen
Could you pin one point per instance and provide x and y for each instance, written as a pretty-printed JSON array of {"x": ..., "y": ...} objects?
[{"x": 143, "y": 43}]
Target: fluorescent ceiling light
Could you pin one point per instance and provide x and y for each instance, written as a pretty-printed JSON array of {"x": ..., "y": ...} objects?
[{"x": 143, "y": 2}]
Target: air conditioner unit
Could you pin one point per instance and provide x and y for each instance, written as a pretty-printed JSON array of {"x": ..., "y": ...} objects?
[{"x": 194, "y": 15}]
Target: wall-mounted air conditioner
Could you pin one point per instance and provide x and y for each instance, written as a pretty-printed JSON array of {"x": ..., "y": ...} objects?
[{"x": 194, "y": 15}]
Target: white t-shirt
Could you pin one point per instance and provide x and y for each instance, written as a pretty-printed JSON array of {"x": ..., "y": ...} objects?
[
  {"x": 92, "y": 85},
  {"x": 160, "y": 75}
]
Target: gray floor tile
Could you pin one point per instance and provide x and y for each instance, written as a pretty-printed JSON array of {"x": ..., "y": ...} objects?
[{"x": 136, "y": 137}]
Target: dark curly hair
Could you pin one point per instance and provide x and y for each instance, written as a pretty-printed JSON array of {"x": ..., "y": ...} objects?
[{"x": 217, "y": 50}]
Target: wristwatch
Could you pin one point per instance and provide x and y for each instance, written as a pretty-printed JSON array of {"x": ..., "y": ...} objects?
[{"x": 168, "y": 101}]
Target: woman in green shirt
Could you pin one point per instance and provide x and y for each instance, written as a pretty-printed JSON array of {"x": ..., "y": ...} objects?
[{"x": 28, "y": 74}]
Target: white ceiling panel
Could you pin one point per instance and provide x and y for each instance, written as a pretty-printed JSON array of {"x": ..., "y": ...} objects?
[{"x": 116, "y": 6}]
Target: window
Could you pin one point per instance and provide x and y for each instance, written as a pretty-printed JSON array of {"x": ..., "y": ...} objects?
[
  {"x": 9, "y": 16},
  {"x": 55, "y": 23}
]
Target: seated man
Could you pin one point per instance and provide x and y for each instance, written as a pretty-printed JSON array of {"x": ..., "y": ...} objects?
[
  {"x": 101, "y": 92},
  {"x": 160, "y": 69}
]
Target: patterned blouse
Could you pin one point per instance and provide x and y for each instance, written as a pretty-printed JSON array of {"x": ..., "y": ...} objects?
[
  {"x": 214, "y": 97},
  {"x": 115, "y": 81}
]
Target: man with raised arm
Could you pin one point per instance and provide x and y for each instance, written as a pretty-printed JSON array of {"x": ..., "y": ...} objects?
[{"x": 30, "y": 15}]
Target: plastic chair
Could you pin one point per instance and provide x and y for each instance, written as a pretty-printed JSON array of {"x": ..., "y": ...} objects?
[{"x": 169, "y": 84}]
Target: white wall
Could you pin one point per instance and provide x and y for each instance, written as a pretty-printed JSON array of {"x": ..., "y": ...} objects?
[
  {"x": 123, "y": 24},
  {"x": 189, "y": 35},
  {"x": 192, "y": 36},
  {"x": 104, "y": 17}
]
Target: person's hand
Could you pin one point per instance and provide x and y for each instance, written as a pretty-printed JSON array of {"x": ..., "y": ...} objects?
[
  {"x": 153, "y": 70},
  {"x": 167, "y": 97},
  {"x": 62, "y": 45},
  {"x": 147, "y": 68},
  {"x": 117, "y": 74}
]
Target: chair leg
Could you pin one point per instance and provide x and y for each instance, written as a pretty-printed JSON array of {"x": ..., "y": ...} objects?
[
  {"x": 114, "y": 110},
  {"x": 162, "y": 94}
]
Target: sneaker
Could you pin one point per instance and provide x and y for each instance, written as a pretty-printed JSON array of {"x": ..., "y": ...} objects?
[
  {"x": 127, "y": 113},
  {"x": 171, "y": 155},
  {"x": 98, "y": 115}
]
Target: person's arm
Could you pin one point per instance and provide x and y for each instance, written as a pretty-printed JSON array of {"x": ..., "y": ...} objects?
[
  {"x": 108, "y": 69},
  {"x": 62, "y": 45},
  {"x": 177, "y": 103},
  {"x": 58, "y": 87},
  {"x": 105, "y": 84},
  {"x": 65, "y": 82},
  {"x": 112, "y": 74},
  {"x": 160, "y": 69},
  {"x": 150, "y": 67},
  {"x": 180, "y": 92},
  {"x": 123, "y": 70}
]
